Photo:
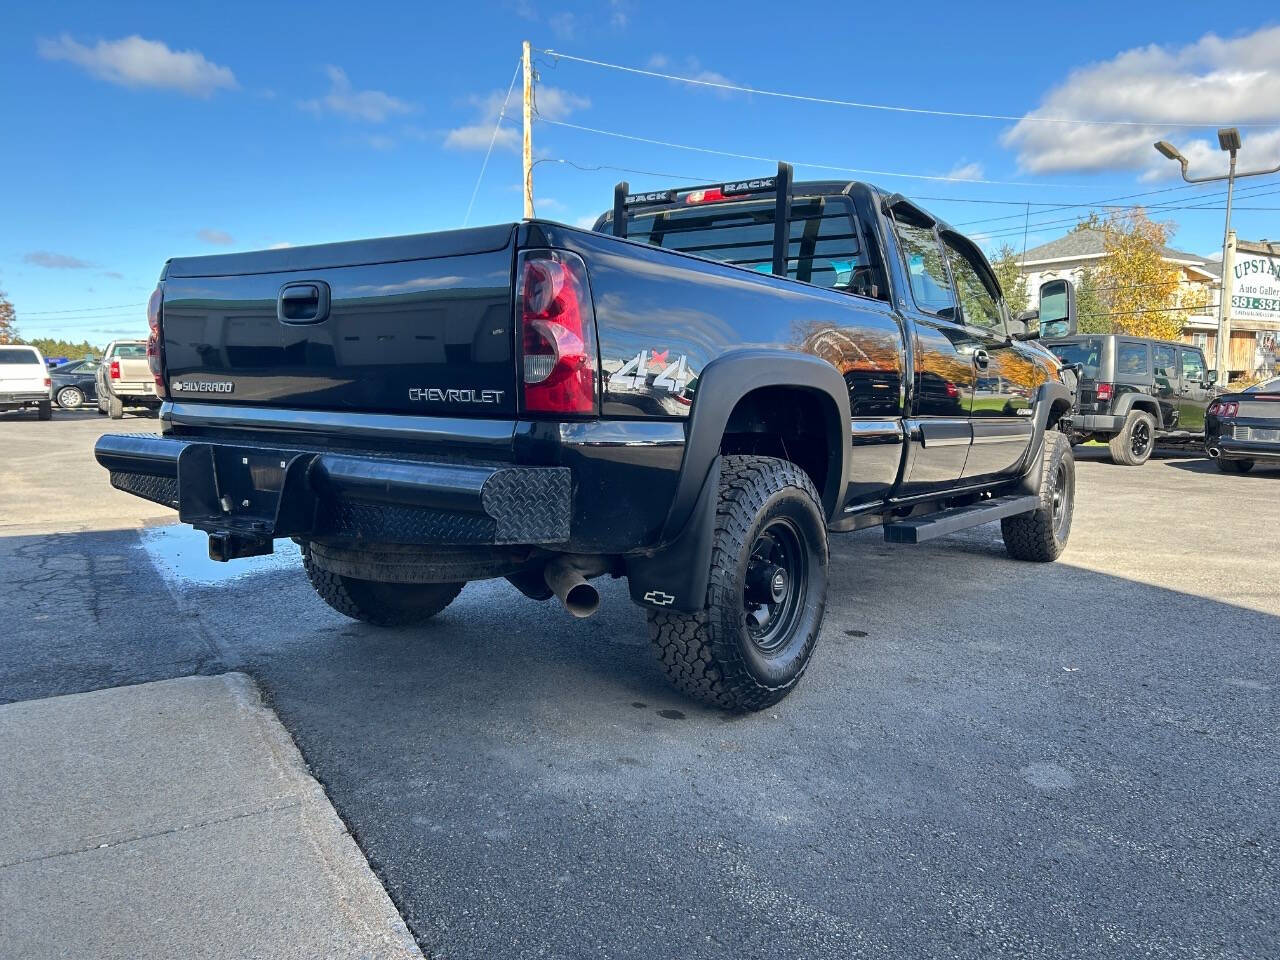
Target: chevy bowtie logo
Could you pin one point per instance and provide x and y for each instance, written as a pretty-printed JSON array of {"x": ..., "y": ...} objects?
[{"x": 659, "y": 599}]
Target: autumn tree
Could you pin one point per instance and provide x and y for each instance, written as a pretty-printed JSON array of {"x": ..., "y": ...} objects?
[
  {"x": 8, "y": 321},
  {"x": 1012, "y": 281},
  {"x": 1141, "y": 287},
  {"x": 1093, "y": 315}
]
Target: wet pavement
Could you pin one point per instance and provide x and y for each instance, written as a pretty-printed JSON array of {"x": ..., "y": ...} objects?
[{"x": 985, "y": 759}]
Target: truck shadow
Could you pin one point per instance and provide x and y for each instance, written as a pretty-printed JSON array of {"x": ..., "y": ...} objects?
[{"x": 1117, "y": 728}]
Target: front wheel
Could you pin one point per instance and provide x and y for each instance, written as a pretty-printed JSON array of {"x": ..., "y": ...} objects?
[
  {"x": 1042, "y": 534},
  {"x": 70, "y": 398},
  {"x": 381, "y": 604},
  {"x": 765, "y": 597},
  {"x": 1233, "y": 466}
]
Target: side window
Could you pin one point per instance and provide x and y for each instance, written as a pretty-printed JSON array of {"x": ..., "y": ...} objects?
[
  {"x": 1192, "y": 365},
  {"x": 1131, "y": 359},
  {"x": 978, "y": 303},
  {"x": 1165, "y": 361},
  {"x": 930, "y": 284}
]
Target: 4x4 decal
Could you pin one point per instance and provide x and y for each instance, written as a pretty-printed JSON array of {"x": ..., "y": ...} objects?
[{"x": 634, "y": 374}]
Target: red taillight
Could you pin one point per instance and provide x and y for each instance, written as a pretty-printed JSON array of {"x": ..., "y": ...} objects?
[
  {"x": 115, "y": 370},
  {"x": 557, "y": 334},
  {"x": 952, "y": 390},
  {"x": 1103, "y": 391},
  {"x": 1224, "y": 408},
  {"x": 48, "y": 382},
  {"x": 155, "y": 344},
  {"x": 706, "y": 196}
]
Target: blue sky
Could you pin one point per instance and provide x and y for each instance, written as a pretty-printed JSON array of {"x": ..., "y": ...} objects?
[{"x": 135, "y": 132}]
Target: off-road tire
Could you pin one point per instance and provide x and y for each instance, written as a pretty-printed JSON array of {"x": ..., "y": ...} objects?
[
  {"x": 381, "y": 604},
  {"x": 1128, "y": 447},
  {"x": 115, "y": 407},
  {"x": 44, "y": 410},
  {"x": 1233, "y": 466},
  {"x": 710, "y": 655},
  {"x": 70, "y": 398},
  {"x": 1041, "y": 535}
]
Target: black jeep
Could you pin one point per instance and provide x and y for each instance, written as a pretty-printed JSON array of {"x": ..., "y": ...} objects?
[{"x": 1134, "y": 391}]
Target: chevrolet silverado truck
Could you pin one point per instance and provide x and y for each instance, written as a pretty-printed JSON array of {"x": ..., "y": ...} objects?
[
  {"x": 693, "y": 395},
  {"x": 124, "y": 379}
]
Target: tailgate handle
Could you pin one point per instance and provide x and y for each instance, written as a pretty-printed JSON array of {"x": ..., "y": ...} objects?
[{"x": 306, "y": 301}]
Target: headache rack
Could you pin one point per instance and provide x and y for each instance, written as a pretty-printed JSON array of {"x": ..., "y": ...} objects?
[{"x": 780, "y": 185}]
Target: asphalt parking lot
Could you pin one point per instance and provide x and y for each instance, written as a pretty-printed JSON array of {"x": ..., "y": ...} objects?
[{"x": 986, "y": 758}]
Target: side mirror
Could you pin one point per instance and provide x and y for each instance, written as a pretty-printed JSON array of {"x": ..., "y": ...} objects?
[
  {"x": 1211, "y": 377},
  {"x": 1057, "y": 308}
]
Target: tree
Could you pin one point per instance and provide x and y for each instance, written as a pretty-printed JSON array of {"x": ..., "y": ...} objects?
[
  {"x": 57, "y": 347},
  {"x": 8, "y": 321},
  {"x": 1012, "y": 282},
  {"x": 1092, "y": 309},
  {"x": 1141, "y": 287}
]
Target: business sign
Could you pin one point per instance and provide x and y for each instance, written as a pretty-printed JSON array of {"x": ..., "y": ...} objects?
[{"x": 1255, "y": 287}]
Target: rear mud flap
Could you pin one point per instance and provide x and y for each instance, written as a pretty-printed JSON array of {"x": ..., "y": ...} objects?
[{"x": 676, "y": 576}]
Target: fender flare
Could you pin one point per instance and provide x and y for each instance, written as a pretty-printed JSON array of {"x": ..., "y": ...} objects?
[
  {"x": 1049, "y": 394},
  {"x": 1129, "y": 400},
  {"x": 722, "y": 384}
]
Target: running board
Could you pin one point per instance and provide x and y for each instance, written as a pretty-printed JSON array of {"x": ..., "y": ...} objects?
[{"x": 934, "y": 525}]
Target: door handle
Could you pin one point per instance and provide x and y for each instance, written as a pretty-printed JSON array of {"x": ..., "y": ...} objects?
[
  {"x": 306, "y": 301},
  {"x": 981, "y": 358}
]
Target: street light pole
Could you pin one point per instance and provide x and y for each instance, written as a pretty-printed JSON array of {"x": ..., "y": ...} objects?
[{"x": 1229, "y": 141}]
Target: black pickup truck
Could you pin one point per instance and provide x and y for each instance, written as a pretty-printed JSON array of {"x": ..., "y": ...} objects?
[{"x": 692, "y": 395}]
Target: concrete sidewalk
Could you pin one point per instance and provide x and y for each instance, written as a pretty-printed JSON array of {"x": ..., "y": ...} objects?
[{"x": 175, "y": 819}]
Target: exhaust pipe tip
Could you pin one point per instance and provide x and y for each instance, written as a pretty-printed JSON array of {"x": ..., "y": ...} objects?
[
  {"x": 575, "y": 594},
  {"x": 1215, "y": 452}
]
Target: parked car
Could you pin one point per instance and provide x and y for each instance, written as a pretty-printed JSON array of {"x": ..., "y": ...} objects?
[
  {"x": 1134, "y": 391},
  {"x": 124, "y": 379},
  {"x": 552, "y": 404},
  {"x": 1243, "y": 428},
  {"x": 24, "y": 380},
  {"x": 75, "y": 383}
]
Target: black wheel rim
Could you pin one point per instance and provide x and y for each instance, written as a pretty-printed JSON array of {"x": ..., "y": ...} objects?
[
  {"x": 777, "y": 576},
  {"x": 1140, "y": 439},
  {"x": 1061, "y": 500}
]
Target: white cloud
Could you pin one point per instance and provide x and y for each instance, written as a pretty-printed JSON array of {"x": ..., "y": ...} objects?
[
  {"x": 1213, "y": 81},
  {"x": 219, "y": 238},
  {"x": 282, "y": 245},
  {"x": 690, "y": 68},
  {"x": 371, "y": 106},
  {"x": 966, "y": 171},
  {"x": 551, "y": 102},
  {"x": 586, "y": 221},
  {"x": 55, "y": 261},
  {"x": 136, "y": 62}
]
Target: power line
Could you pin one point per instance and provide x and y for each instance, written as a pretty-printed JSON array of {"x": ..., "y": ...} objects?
[
  {"x": 831, "y": 101},
  {"x": 798, "y": 163},
  {"x": 492, "y": 140},
  {"x": 606, "y": 166},
  {"x": 113, "y": 306}
]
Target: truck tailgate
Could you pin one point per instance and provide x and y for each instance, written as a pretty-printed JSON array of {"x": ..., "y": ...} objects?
[{"x": 417, "y": 324}]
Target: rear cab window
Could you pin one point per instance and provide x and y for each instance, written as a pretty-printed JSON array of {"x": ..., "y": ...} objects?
[
  {"x": 1132, "y": 360},
  {"x": 21, "y": 357},
  {"x": 926, "y": 269},
  {"x": 826, "y": 248},
  {"x": 1087, "y": 352},
  {"x": 130, "y": 351}
]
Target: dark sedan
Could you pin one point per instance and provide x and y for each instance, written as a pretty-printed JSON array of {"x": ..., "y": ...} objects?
[
  {"x": 74, "y": 384},
  {"x": 1243, "y": 428}
]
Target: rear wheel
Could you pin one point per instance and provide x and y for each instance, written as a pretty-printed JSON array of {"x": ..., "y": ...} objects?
[
  {"x": 767, "y": 591},
  {"x": 1234, "y": 466},
  {"x": 1042, "y": 534},
  {"x": 115, "y": 407},
  {"x": 381, "y": 604},
  {"x": 1132, "y": 446},
  {"x": 70, "y": 398}
]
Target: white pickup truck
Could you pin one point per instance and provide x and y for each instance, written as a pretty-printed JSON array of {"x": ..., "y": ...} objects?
[
  {"x": 125, "y": 379},
  {"x": 24, "y": 380}
]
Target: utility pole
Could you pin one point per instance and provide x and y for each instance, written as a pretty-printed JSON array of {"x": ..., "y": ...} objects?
[
  {"x": 528, "y": 135},
  {"x": 1229, "y": 141}
]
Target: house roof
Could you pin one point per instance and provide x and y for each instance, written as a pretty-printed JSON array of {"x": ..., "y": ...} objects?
[{"x": 1088, "y": 242}]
